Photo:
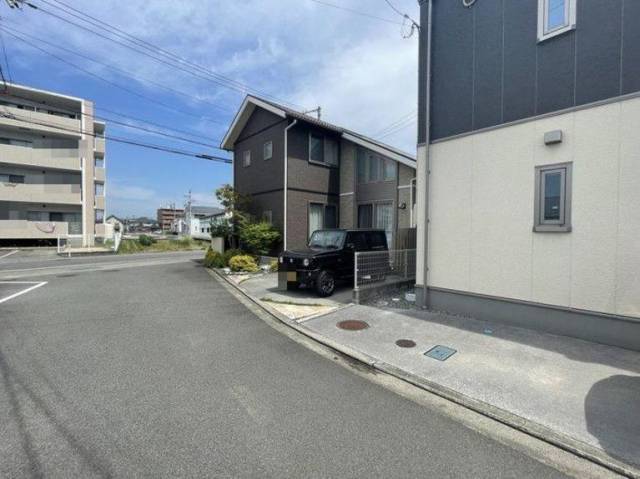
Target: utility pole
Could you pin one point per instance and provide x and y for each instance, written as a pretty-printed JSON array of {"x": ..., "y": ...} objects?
[
  {"x": 188, "y": 221},
  {"x": 317, "y": 111}
]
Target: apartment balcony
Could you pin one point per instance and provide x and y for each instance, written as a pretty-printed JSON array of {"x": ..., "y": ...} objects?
[
  {"x": 54, "y": 158},
  {"x": 99, "y": 146},
  {"x": 23, "y": 229},
  {"x": 99, "y": 174},
  {"x": 42, "y": 122},
  {"x": 41, "y": 193}
]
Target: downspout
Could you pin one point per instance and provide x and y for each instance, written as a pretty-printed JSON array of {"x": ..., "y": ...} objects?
[
  {"x": 423, "y": 167},
  {"x": 286, "y": 177}
]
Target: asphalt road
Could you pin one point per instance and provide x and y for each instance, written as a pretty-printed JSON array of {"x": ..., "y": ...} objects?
[{"x": 158, "y": 371}]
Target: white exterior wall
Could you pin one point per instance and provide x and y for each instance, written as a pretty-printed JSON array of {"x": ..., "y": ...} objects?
[{"x": 481, "y": 204}]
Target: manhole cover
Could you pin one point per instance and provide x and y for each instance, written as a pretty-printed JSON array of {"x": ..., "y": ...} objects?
[
  {"x": 352, "y": 325},
  {"x": 441, "y": 353},
  {"x": 405, "y": 343}
]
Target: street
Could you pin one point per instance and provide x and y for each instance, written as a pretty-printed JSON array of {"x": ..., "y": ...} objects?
[{"x": 148, "y": 367}]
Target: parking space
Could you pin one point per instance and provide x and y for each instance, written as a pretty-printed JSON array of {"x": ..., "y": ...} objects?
[{"x": 12, "y": 289}]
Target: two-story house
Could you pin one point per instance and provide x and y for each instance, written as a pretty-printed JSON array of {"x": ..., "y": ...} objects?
[
  {"x": 303, "y": 174},
  {"x": 529, "y": 164}
]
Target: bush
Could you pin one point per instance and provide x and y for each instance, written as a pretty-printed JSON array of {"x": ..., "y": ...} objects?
[
  {"x": 258, "y": 238},
  {"x": 213, "y": 259},
  {"x": 146, "y": 240},
  {"x": 273, "y": 266},
  {"x": 244, "y": 263},
  {"x": 230, "y": 253}
]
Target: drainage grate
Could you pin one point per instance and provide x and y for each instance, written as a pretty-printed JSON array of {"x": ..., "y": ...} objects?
[
  {"x": 405, "y": 343},
  {"x": 441, "y": 353},
  {"x": 352, "y": 325}
]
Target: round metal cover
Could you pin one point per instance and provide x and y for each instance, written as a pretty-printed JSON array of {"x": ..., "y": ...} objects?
[
  {"x": 352, "y": 325},
  {"x": 405, "y": 343}
]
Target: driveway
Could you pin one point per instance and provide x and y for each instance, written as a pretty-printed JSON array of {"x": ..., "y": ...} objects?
[{"x": 157, "y": 370}]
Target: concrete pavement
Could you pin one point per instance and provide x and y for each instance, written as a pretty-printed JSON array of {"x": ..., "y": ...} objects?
[{"x": 157, "y": 371}]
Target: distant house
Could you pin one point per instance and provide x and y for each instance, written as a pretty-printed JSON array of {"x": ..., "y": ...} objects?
[
  {"x": 303, "y": 174},
  {"x": 201, "y": 227},
  {"x": 113, "y": 221},
  {"x": 198, "y": 217}
]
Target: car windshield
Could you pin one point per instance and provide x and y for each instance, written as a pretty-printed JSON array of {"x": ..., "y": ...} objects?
[{"x": 327, "y": 239}]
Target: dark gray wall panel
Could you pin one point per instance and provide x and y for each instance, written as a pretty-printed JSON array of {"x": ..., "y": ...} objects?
[
  {"x": 487, "y": 91},
  {"x": 452, "y": 87},
  {"x": 556, "y": 73},
  {"x": 598, "y": 40},
  {"x": 631, "y": 47},
  {"x": 520, "y": 44},
  {"x": 422, "y": 75}
]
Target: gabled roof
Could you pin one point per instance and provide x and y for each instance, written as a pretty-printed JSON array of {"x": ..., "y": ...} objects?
[
  {"x": 251, "y": 102},
  {"x": 206, "y": 210}
]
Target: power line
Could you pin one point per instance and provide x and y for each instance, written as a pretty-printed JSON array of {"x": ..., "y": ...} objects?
[
  {"x": 6, "y": 57},
  {"x": 399, "y": 128},
  {"x": 357, "y": 12},
  {"x": 123, "y": 88},
  {"x": 112, "y": 67},
  {"x": 414, "y": 25},
  {"x": 395, "y": 123},
  {"x": 127, "y": 141},
  {"x": 176, "y": 62}
]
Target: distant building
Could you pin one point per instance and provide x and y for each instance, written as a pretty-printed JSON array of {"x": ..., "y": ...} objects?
[
  {"x": 166, "y": 217},
  {"x": 115, "y": 221},
  {"x": 197, "y": 216},
  {"x": 52, "y": 167}
]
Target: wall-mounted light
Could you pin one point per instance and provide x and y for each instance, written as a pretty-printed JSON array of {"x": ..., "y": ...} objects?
[
  {"x": 402, "y": 206},
  {"x": 553, "y": 137}
]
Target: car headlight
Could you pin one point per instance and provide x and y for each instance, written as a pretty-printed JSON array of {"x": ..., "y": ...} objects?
[
  {"x": 281, "y": 259},
  {"x": 306, "y": 262}
]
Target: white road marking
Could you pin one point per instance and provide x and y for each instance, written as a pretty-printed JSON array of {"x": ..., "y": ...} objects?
[
  {"x": 24, "y": 291},
  {"x": 8, "y": 254}
]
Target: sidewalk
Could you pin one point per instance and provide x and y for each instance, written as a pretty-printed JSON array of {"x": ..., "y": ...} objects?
[{"x": 581, "y": 396}]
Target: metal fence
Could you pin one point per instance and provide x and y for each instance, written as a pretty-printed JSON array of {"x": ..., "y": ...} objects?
[{"x": 377, "y": 269}]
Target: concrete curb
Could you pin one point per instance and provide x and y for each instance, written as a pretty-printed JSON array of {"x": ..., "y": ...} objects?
[{"x": 519, "y": 423}]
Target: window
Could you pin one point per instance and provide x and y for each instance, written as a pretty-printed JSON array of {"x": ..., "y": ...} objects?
[
  {"x": 37, "y": 216},
  {"x": 322, "y": 217},
  {"x": 553, "y": 198},
  {"x": 555, "y": 17},
  {"x": 365, "y": 216},
  {"x": 99, "y": 216},
  {"x": 323, "y": 150},
  {"x": 373, "y": 168},
  {"x": 246, "y": 158},
  {"x": 16, "y": 142},
  {"x": 99, "y": 191},
  {"x": 11, "y": 178},
  {"x": 99, "y": 162},
  {"x": 267, "y": 150}
]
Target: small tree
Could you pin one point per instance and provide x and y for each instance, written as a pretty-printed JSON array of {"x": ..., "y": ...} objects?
[
  {"x": 235, "y": 206},
  {"x": 258, "y": 238}
]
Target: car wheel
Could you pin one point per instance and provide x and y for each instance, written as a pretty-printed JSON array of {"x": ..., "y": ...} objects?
[{"x": 325, "y": 284}]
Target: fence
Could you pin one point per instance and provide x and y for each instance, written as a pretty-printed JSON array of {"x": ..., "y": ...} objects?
[
  {"x": 381, "y": 269},
  {"x": 74, "y": 243}
]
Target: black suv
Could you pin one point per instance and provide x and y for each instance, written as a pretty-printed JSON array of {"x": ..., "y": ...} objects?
[{"x": 329, "y": 258}]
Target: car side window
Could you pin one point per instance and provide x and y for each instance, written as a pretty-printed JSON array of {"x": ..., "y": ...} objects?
[
  {"x": 358, "y": 240},
  {"x": 377, "y": 241}
]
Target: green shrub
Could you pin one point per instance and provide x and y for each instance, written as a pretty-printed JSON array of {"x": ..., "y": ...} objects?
[
  {"x": 230, "y": 253},
  {"x": 258, "y": 238},
  {"x": 146, "y": 240},
  {"x": 244, "y": 263},
  {"x": 213, "y": 259}
]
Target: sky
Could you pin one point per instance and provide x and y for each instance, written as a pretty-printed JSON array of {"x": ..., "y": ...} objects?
[{"x": 360, "y": 69}]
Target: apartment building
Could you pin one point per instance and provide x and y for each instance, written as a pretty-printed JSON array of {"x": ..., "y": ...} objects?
[
  {"x": 52, "y": 167},
  {"x": 303, "y": 174},
  {"x": 167, "y": 216},
  {"x": 529, "y": 164}
]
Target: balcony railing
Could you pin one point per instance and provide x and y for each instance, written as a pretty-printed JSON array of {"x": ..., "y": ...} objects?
[
  {"x": 23, "y": 229},
  {"x": 41, "y": 193},
  {"x": 59, "y": 158}
]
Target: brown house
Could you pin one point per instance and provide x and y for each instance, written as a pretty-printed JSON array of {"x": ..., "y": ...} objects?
[{"x": 304, "y": 174}]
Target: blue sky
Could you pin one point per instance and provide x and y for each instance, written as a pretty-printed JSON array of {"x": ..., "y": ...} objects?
[{"x": 360, "y": 70}]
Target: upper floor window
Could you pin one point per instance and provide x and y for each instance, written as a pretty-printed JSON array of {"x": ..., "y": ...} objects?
[
  {"x": 15, "y": 142},
  {"x": 99, "y": 189},
  {"x": 555, "y": 17},
  {"x": 4, "y": 178},
  {"x": 267, "y": 150},
  {"x": 99, "y": 162},
  {"x": 553, "y": 198},
  {"x": 246, "y": 158},
  {"x": 99, "y": 216},
  {"x": 323, "y": 150},
  {"x": 373, "y": 168}
]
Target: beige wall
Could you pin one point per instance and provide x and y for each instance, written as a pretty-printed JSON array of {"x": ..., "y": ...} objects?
[{"x": 481, "y": 202}]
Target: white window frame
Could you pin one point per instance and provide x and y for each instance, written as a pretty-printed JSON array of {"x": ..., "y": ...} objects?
[
  {"x": 570, "y": 24},
  {"x": 563, "y": 225},
  {"x": 267, "y": 150},
  {"x": 246, "y": 158}
]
